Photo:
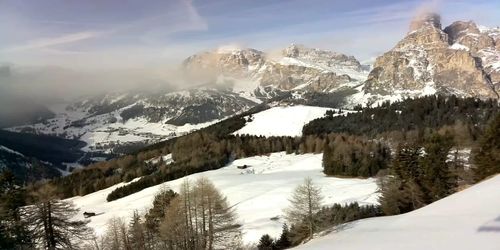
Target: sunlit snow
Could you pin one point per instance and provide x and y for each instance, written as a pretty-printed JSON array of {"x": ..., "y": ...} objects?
[{"x": 258, "y": 193}]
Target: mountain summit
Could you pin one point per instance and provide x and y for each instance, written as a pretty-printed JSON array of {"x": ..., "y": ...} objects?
[
  {"x": 461, "y": 59},
  {"x": 293, "y": 68}
]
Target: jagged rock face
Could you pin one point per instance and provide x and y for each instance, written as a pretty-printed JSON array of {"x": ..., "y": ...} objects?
[
  {"x": 293, "y": 76},
  {"x": 296, "y": 67},
  {"x": 469, "y": 35},
  {"x": 322, "y": 57},
  {"x": 430, "y": 60},
  {"x": 238, "y": 63}
]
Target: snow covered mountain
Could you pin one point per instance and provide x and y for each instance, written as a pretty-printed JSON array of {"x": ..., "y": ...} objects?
[
  {"x": 461, "y": 59},
  {"x": 294, "y": 68},
  {"x": 465, "y": 220},
  {"x": 117, "y": 123}
]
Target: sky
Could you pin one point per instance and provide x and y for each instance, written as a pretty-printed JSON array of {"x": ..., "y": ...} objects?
[
  {"x": 127, "y": 33},
  {"x": 58, "y": 48}
]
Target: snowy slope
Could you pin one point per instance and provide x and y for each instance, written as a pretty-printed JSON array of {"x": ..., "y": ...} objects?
[
  {"x": 466, "y": 220},
  {"x": 281, "y": 121},
  {"x": 259, "y": 193}
]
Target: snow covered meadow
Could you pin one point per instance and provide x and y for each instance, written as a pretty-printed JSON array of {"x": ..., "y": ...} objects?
[
  {"x": 259, "y": 193},
  {"x": 282, "y": 121}
]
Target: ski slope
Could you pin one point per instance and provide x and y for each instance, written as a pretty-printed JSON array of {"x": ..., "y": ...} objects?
[
  {"x": 466, "y": 220},
  {"x": 281, "y": 121},
  {"x": 258, "y": 193}
]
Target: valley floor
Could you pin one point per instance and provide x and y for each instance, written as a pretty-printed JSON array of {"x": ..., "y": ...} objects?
[
  {"x": 469, "y": 219},
  {"x": 258, "y": 193}
]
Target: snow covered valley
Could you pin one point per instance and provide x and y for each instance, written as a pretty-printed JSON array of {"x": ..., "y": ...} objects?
[{"x": 258, "y": 193}]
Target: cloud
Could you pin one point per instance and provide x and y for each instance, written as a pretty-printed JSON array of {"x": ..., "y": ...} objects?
[{"x": 54, "y": 41}]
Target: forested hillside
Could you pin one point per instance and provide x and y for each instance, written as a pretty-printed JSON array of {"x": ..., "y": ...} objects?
[
  {"x": 355, "y": 155},
  {"x": 465, "y": 117}
]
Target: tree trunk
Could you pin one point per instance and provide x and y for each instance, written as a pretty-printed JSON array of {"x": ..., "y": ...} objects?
[{"x": 50, "y": 227}]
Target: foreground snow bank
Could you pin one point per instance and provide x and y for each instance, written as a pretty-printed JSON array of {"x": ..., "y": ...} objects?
[
  {"x": 466, "y": 220},
  {"x": 258, "y": 193}
]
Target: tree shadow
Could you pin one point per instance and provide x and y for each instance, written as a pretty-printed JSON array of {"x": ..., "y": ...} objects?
[
  {"x": 338, "y": 228},
  {"x": 492, "y": 226}
]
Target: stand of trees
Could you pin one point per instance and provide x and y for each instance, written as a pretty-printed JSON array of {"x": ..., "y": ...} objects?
[
  {"x": 199, "y": 217},
  {"x": 204, "y": 151},
  {"x": 346, "y": 155},
  {"x": 283, "y": 242},
  {"x": 418, "y": 175},
  {"x": 487, "y": 155},
  {"x": 325, "y": 218},
  {"x": 430, "y": 112}
]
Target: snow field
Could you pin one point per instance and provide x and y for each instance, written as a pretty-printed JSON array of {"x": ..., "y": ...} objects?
[
  {"x": 257, "y": 193},
  {"x": 469, "y": 219},
  {"x": 282, "y": 121}
]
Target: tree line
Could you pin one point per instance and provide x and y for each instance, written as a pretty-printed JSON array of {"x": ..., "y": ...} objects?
[
  {"x": 418, "y": 114},
  {"x": 346, "y": 155}
]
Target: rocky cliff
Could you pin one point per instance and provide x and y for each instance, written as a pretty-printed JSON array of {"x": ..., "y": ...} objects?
[
  {"x": 295, "y": 67},
  {"x": 460, "y": 59}
]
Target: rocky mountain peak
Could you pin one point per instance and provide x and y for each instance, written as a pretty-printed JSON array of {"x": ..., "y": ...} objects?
[
  {"x": 296, "y": 67},
  {"x": 425, "y": 20},
  {"x": 293, "y": 50},
  {"x": 458, "y": 28},
  {"x": 459, "y": 59},
  {"x": 324, "y": 57},
  {"x": 469, "y": 35}
]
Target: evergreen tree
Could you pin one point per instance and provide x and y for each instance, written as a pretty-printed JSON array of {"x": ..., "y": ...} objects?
[
  {"x": 14, "y": 232},
  {"x": 51, "y": 221},
  {"x": 487, "y": 157},
  {"x": 266, "y": 243},
  {"x": 284, "y": 241},
  {"x": 157, "y": 212},
  {"x": 391, "y": 196},
  {"x": 437, "y": 179},
  {"x": 137, "y": 233}
]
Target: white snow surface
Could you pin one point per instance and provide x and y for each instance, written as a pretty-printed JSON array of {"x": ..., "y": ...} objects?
[
  {"x": 258, "y": 193},
  {"x": 282, "y": 121},
  {"x": 458, "y": 46},
  {"x": 469, "y": 219}
]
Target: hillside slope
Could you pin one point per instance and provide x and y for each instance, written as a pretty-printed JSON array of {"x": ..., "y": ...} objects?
[
  {"x": 469, "y": 219},
  {"x": 268, "y": 178},
  {"x": 281, "y": 121}
]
